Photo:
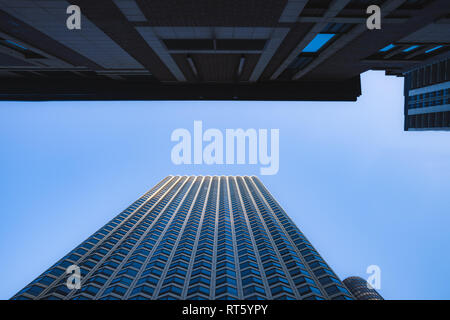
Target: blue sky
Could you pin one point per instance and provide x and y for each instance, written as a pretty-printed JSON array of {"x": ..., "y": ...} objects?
[{"x": 362, "y": 190}]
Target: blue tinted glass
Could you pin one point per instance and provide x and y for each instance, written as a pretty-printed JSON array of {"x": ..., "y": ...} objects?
[
  {"x": 434, "y": 48},
  {"x": 387, "y": 48},
  {"x": 411, "y": 48},
  {"x": 16, "y": 44},
  {"x": 318, "y": 42}
]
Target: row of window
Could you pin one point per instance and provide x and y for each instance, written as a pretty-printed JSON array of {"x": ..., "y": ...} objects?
[
  {"x": 155, "y": 253},
  {"x": 429, "y": 99},
  {"x": 58, "y": 270},
  {"x": 310, "y": 255},
  {"x": 434, "y": 73},
  {"x": 119, "y": 285},
  {"x": 429, "y": 120}
]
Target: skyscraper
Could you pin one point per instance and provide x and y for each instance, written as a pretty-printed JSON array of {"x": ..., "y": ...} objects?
[
  {"x": 195, "y": 237},
  {"x": 361, "y": 289},
  {"x": 212, "y": 50},
  {"x": 427, "y": 96}
]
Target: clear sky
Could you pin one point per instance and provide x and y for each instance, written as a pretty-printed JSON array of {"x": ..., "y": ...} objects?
[{"x": 361, "y": 189}]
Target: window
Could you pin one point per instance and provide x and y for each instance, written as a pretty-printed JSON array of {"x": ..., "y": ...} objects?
[
  {"x": 301, "y": 280},
  {"x": 123, "y": 280},
  {"x": 251, "y": 280},
  {"x": 387, "y": 48},
  {"x": 88, "y": 264},
  {"x": 197, "y": 298},
  {"x": 90, "y": 290},
  {"x": 200, "y": 280},
  {"x": 138, "y": 297},
  {"x": 253, "y": 289},
  {"x": 109, "y": 298},
  {"x": 34, "y": 290},
  {"x": 130, "y": 272},
  {"x": 46, "y": 280},
  {"x": 117, "y": 290},
  {"x": 226, "y": 297},
  {"x": 281, "y": 289},
  {"x": 198, "y": 289},
  {"x": 56, "y": 272},
  {"x": 226, "y": 271},
  {"x": 105, "y": 271},
  {"x": 175, "y": 280},
  {"x": 308, "y": 289},
  {"x": 98, "y": 280},
  {"x": 226, "y": 289},
  {"x": 327, "y": 280},
  {"x": 336, "y": 289},
  {"x": 153, "y": 271},
  {"x": 322, "y": 271},
  {"x": 16, "y": 44},
  {"x": 61, "y": 289},
  {"x": 316, "y": 264},
  {"x": 276, "y": 280},
  {"x": 111, "y": 264},
  {"x": 148, "y": 279},
  {"x": 411, "y": 48},
  {"x": 318, "y": 42},
  {"x": 433, "y": 49},
  {"x": 284, "y": 297},
  {"x": 172, "y": 289},
  {"x": 133, "y": 264},
  {"x": 255, "y": 297},
  {"x": 201, "y": 271},
  {"x": 225, "y": 279},
  {"x": 249, "y": 271}
]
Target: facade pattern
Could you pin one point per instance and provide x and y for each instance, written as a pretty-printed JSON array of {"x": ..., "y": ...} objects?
[
  {"x": 427, "y": 97},
  {"x": 195, "y": 237},
  {"x": 221, "y": 50}
]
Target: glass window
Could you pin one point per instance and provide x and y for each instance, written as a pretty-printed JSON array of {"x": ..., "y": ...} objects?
[{"x": 318, "y": 42}]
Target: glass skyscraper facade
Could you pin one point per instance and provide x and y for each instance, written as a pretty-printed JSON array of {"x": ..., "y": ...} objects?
[
  {"x": 427, "y": 97},
  {"x": 195, "y": 237}
]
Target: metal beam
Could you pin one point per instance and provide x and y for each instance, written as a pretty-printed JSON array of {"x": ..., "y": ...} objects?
[
  {"x": 271, "y": 47},
  {"x": 353, "y": 20},
  {"x": 386, "y": 9},
  {"x": 393, "y": 52},
  {"x": 160, "y": 49},
  {"x": 215, "y": 51},
  {"x": 335, "y": 7},
  {"x": 420, "y": 51},
  {"x": 290, "y": 14},
  {"x": 48, "y": 60},
  {"x": 292, "y": 10},
  {"x": 388, "y": 62}
]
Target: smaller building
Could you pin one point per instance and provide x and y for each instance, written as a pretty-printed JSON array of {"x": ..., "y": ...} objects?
[
  {"x": 427, "y": 97},
  {"x": 361, "y": 289}
]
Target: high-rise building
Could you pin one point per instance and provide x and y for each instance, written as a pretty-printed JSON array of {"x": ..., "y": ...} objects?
[
  {"x": 218, "y": 50},
  {"x": 427, "y": 97},
  {"x": 195, "y": 237},
  {"x": 361, "y": 289}
]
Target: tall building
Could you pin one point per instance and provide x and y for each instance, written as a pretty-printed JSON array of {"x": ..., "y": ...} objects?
[
  {"x": 195, "y": 237},
  {"x": 361, "y": 289},
  {"x": 218, "y": 50},
  {"x": 427, "y": 97}
]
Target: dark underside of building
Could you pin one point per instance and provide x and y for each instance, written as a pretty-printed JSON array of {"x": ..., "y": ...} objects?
[{"x": 212, "y": 50}]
